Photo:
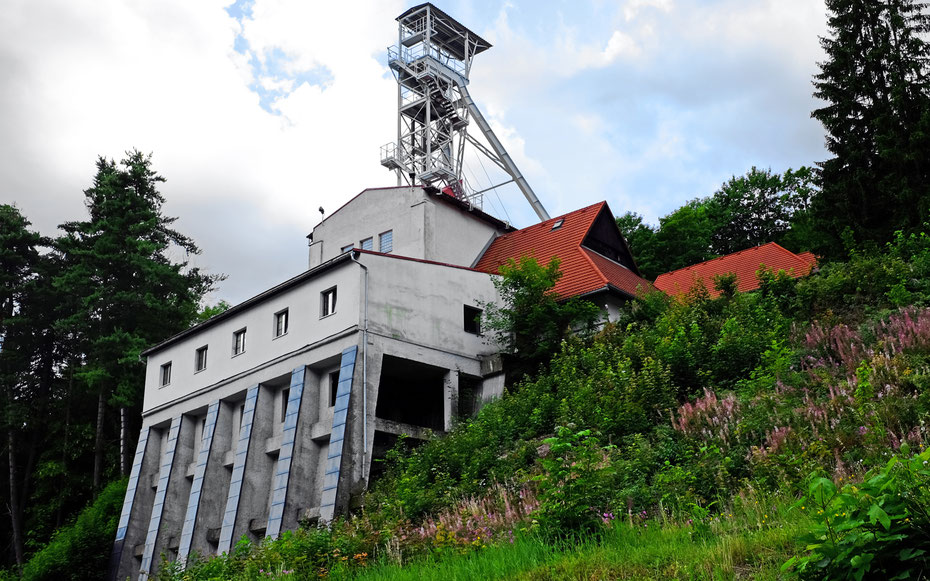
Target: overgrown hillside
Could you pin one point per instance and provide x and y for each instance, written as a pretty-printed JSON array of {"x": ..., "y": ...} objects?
[{"x": 687, "y": 411}]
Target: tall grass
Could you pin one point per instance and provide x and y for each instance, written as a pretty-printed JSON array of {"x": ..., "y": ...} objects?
[{"x": 750, "y": 539}]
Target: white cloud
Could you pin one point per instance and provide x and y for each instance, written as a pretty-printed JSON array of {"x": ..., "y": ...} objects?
[{"x": 646, "y": 102}]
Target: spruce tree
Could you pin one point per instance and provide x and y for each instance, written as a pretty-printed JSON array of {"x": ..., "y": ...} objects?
[
  {"x": 128, "y": 292},
  {"x": 877, "y": 118},
  {"x": 23, "y": 364}
]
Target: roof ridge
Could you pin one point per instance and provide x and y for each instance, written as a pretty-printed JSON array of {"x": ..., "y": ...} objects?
[
  {"x": 732, "y": 254},
  {"x": 582, "y": 249}
]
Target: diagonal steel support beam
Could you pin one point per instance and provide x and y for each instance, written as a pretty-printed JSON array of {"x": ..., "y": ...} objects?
[{"x": 509, "y": 166}]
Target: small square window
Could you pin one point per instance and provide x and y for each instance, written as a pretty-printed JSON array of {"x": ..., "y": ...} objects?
[
  {"x": 200, "y": 359},
  {"x": 472, "y": 320},
  {"x": 386, "y": 241},
  {"x": 280, "y": 323},
  {"x": 166, "y": 374},
  {"x": 347, "y": 248},
  {"x": 368, "y": 244},
  {"x": 238, "y": 342},
  {"x": 328, "y": 302},
  {"x": 333, "y": 387}
]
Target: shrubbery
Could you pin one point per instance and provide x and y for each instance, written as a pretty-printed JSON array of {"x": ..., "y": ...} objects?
[
  {"x": 82, "y": 550},
  {"x": 680, "y": 409}
]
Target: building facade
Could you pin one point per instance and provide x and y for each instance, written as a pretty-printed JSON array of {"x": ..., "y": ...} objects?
[{"x": 272, "y": 412}]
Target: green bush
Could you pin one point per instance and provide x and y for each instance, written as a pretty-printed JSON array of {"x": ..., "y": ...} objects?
[
  {"x": 82, "y": 550},
  {"x": 879, "y": 528},
  {"x": 576, "y": 487}
]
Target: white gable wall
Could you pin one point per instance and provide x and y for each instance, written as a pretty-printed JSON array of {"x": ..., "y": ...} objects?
[{"x": 422, "y": 226}]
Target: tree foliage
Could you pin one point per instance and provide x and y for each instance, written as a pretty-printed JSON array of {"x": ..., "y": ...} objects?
[
  {"x": 746, "y": 211},
  {"x": 876, "y": 89},
  {"x": 533, "y": 320},
  {"x": 128, "y": 292},
  {"x": 75, "y": 313},
  {"x": 758, "y": 208}
]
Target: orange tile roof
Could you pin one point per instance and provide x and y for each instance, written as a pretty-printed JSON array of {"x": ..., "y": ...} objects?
[
  {"x": 744, "y": 264},
  {"x": 583, "y": 271}
]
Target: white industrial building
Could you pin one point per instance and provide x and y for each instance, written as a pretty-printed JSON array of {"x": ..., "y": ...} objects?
[{"x": 272, "y": 412}]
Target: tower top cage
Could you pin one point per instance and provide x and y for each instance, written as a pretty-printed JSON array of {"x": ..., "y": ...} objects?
[{"x": 431, "y": 62}]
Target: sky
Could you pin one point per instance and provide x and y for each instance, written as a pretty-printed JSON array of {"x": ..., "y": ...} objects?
[{"x": 259, "y": 112}]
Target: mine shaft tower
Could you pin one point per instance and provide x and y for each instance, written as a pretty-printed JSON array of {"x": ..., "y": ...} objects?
[{"x": 431, "y": 62}]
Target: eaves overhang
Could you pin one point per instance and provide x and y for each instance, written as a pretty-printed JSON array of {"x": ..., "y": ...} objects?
[{"x": 249, "y": 303}]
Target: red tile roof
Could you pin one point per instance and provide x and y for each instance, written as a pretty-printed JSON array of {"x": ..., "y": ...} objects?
[
  {"x": 583, "y": 271},
  {"x": 744, "y": 264}
]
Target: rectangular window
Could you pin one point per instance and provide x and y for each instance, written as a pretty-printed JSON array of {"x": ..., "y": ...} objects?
[
  {"x": 328, "y": 302},
  {"x": 333, "y": 387},
  {"x": 347, "y": 248},
  {"x": 386, "y": 241},
  {"x": 166, "y": 374},
  {"x": 472, "y": 320},
  {"x": 238, "y": 342},
  {"x": 200, "y": 359},
  {"x": 280, "y": 323},
  {"x": 285, "y": 395},
  {"x": 368, "y": 244}
]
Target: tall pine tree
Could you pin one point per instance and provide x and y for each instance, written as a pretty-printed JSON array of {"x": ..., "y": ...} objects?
[
  {"x": 128, "y": 294},
  {"x": 25, "y": 363},
  {"x": 877, "y": 117}
]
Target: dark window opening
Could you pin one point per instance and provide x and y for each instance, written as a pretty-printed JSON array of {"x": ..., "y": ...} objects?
[
  {"x": 469, "y": 395},
  {"x": 472, "y": 320},
  {"x": 239, "y": 342},
  {"x": 333, "y": 387},
  {"x": 411, "y": 393},
  {"x": 285, "y": 395},
  {"x": 383, "y": 443},
  {"x": 200, "y": 359},
  {"x": 280, "y": 323}
]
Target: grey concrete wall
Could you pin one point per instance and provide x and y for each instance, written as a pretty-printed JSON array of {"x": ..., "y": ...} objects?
[
  {"x": 178, "y": 493},
  {"x": 424, "y": 303},
  {"x": 303, "y": 492},
  {"x": 423, "y": 227},
  {"x": 256, "y": 483},
  {"x": 306, "y": 327},
  {"x": 137, "y": 507}
]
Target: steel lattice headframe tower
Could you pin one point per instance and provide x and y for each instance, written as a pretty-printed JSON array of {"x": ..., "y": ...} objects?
[{"x": 431, "y": 62}]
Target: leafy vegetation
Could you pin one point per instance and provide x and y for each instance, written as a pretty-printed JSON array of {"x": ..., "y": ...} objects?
[
  {"x": 532, "y": 321},
  {"x": 694, "y": 438},
  {"x": 76, "y": 313},
  {"x": 746, "y": 211},
  {"x": 80, "y": 550}
]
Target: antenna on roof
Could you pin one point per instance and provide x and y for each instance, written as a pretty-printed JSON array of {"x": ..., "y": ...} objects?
[{"x": 431, "y": 62}]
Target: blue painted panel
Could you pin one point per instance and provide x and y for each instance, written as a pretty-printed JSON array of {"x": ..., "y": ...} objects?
[
  {"x": 337, "y": 434},
  {"x": 161, "y": 491},
  {"x": 193, "y": 503},
  {"x": 235, "y": 484},
  {"x": 283, "y": 467}
]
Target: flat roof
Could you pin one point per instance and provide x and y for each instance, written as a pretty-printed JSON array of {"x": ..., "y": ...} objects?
[{"x": 449, "y": 30}]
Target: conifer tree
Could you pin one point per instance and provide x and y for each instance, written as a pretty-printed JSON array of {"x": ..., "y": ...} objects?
[
  {"x": 128, "y": 292},
  {"x": 877, "y": 118}
]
